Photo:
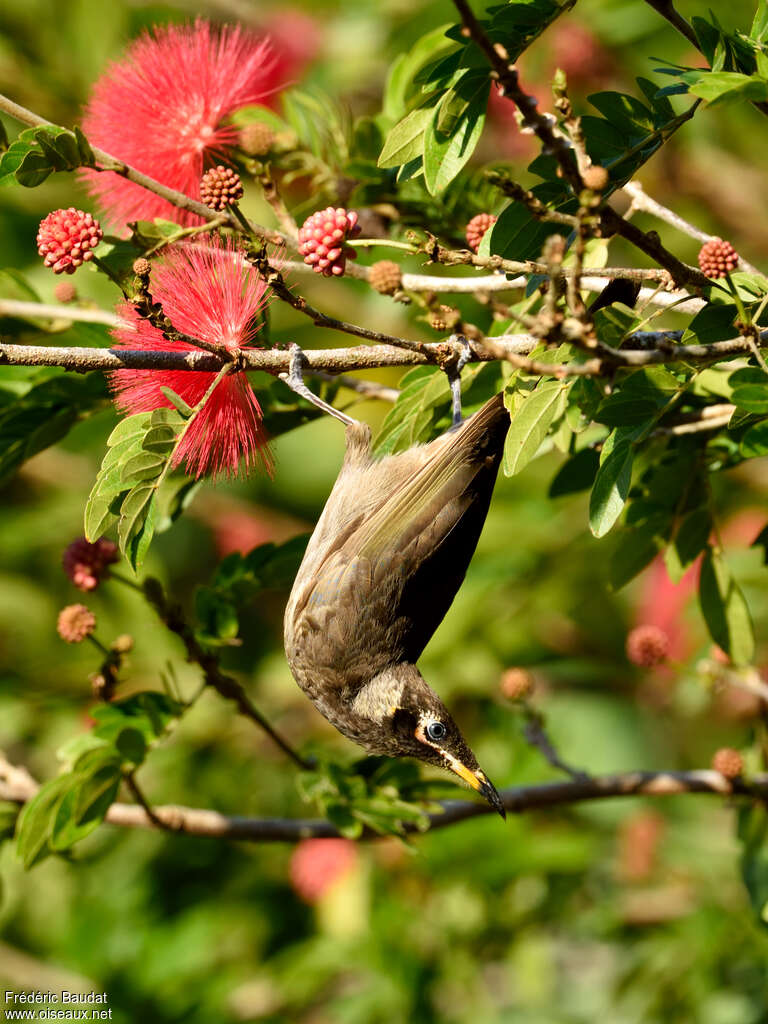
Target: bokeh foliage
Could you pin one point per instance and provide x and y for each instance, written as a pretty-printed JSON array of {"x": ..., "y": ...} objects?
[{"x": 552, "y": 917}]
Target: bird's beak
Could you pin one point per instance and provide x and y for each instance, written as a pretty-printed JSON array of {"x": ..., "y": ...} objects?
[{"x": 478, "y": 781}]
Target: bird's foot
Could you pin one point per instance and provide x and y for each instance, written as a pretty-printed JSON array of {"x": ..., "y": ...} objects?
[
  {"x": 294, "y": 378},
  {"x": 454, "y": 377}
]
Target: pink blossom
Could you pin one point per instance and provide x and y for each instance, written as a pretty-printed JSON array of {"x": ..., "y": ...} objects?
[
  {"x": 208, "y": 292},
  {"x": 317, "y": 863},
  {"x": 163, "y": 106}
]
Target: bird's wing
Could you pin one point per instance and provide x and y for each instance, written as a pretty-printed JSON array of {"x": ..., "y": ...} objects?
[{"x": 411, "y": 526}]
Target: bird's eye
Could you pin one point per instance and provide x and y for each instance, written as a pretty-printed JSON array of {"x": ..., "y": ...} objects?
[{"x": 435, "y": 731}]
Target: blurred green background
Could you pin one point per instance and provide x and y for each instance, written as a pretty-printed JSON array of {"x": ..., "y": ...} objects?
[{"x": 628, "y": 912}]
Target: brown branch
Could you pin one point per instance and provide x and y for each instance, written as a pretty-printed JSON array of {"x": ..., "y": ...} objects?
[
  {"x": 464, "y": 257},
  {"x": 650, "y": 243},
  {"x": 18, "y": 786},
  {"x": 274, "y": 279},
  {"x": 171, "y": 615},
  {"x": 667, "y": 10},
  {"x": 140, "y": 799},
  {"x": 641, "y": 201},
  {"x": 366, "y": 357},
  {"x": 504, "y": 71}
]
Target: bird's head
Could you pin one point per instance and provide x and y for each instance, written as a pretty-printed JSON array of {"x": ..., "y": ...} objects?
[{"x": 414, "y": 722}]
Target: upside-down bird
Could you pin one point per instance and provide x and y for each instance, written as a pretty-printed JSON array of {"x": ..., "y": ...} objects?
[{"x": 382, "y": 567}]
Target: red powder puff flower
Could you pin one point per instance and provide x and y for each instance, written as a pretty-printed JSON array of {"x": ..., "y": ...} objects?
[
  {"x": 208, "y": 292},
  {"x": 317, "y": 863},
  {"x": 162, "y": 108},
  {"x": 88, "y": 563}
]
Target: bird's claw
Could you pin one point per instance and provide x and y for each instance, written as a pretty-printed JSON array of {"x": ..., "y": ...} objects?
[{"x": 454, "y": 375}]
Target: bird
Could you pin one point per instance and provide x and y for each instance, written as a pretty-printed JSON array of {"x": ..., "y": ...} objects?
[{"x": 383, "y": 565}]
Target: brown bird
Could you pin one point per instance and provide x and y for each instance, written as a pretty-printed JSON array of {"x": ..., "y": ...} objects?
[{"x": 382, "y": 567}]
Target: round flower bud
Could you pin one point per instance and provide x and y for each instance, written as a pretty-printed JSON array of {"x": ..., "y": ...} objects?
[
  {"x": 65, "y": 291},
  {"x": 437, "y": 322},
  {"x": 647, "y": 646},
  {"x": 717, "y": 258},
  {"x": 596, "y": 178},
  {"x": 66, "y": 239},
  {"x": 385, "y": 277},
  {"x": 728, "y": 762},
  {"x": 516, "y": 683},
  {"x": 477, "y": 227},
  {"x": 220, "y": 187},
  {"x": 142, "y": 267},
  {"x": 323, "y": 237},
  {"x": 75, "y": 623},
  {"x": 123, "y": 644},
  {"x": 86, "y": 563},
  {"x": 256, "y": 138}
]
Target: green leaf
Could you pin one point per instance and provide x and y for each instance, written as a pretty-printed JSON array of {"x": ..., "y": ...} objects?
[
  {"x": 531, "y": 422},
  {"x": 148, "y": 712},
  {"x": 690, "y": 539},
  {"x": 455, "y": 130},
  {"x": 133, "y": 512},
  {"x": 713, "y": 323},
  {"x": 752, "y": 397},
  {"x": 405, "y": 67},
  {"x": 724, "y": 609},
  {"x": 177, "y": 401},
  {"x": 36, "y": 819},
  {"x": 143, "y": 466},
  {"x": 38, "y": 152},
  {"x": 43, "y": 415},
  {"x": 726, "y": 86},
  {"x": 636, "y": 547},
  {"x": 752, "y": 831},
  {"x": 610, "y": 489},
  {"x": 754, "y": 443},
  {"x": 406, "y": 140},
  {"x": 577, "y": 474},
  {"x": 131, "y": 745}
]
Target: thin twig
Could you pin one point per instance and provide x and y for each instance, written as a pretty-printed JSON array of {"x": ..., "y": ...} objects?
[
  {"x": 274, "y": 279},
  {"x": 134, "y": 787},
  {"x": 536, "y": 734},
  {"x": 49, "y": 311},
  {"x": 367, "y": 388},
  {"x": 505, "y": 73},
  {"x": 643, "y": 202},
  {"x": 109, "y": 163},
  {"x": 171, "y": 615}
]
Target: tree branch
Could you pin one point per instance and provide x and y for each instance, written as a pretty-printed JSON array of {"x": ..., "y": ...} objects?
[
  {"x": 18, "y": 786},
  {"x": 171, "y": 615},
  {"x": 641, "y": 201},
  {"x": 656, "y": 347},
  {"x": 505, "y": 73}
]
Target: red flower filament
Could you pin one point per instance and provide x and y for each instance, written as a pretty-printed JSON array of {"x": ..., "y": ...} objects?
[
  {"x": 162, "y": 109},
  {"x": 208, "y": 292}
]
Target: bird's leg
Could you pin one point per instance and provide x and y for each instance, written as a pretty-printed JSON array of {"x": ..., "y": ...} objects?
[
  {"x": 453, "y": 373},
  {"x": 294, "y": 378}
]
